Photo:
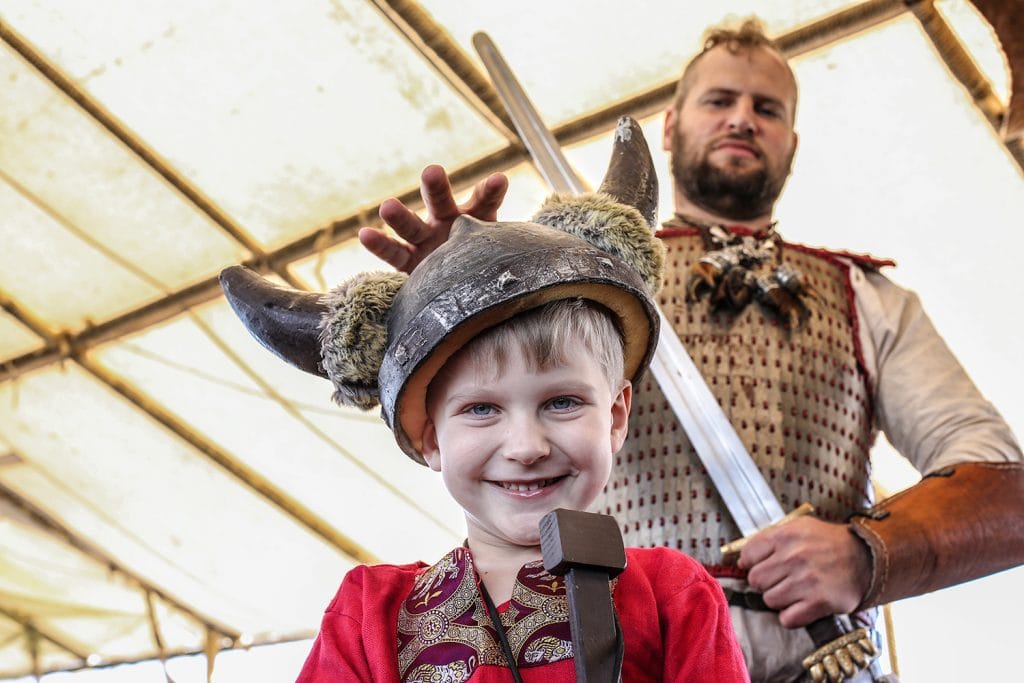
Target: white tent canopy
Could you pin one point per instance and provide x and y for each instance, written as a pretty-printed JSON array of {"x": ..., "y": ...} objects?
[{"x": 166, "y": 485}]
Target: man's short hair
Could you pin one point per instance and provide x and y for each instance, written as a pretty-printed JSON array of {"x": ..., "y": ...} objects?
[
  {"x": 748, "y": 36},
  {"x": 548, "y": 334}
]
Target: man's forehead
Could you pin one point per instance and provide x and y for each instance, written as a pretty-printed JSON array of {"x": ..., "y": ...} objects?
[{"x": 757, "y": 70}]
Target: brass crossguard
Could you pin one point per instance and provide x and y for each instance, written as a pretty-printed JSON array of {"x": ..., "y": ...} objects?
[{"x": 841, "y": 658}]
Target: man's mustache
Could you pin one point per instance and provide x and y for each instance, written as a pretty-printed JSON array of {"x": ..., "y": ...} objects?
[{"x": 747, "y": 138}]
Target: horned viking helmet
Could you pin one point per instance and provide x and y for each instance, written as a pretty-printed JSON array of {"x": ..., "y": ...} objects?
[{"x": 382, "y": 336}]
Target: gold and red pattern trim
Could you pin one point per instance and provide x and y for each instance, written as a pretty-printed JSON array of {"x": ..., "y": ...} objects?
[{"x": 444, "y": 632}]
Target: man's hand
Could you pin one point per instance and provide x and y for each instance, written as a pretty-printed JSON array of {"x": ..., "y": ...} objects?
[
  {"x": 807, "y": 569},
  {"x": 419, "y": 236}
]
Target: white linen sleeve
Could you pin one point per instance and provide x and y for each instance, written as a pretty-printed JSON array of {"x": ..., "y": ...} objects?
[{"x": 924, "y": 401}]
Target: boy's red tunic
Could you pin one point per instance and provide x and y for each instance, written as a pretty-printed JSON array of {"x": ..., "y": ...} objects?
[{"x": 418, "y": 623}]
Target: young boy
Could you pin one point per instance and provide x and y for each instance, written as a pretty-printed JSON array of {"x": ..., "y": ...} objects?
[{"x": 503, "y": 367}]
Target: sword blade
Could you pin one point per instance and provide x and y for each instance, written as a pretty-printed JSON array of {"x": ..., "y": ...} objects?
[
  {"x": 538, "y": 140},
  {"x": 742, "y": 487}
]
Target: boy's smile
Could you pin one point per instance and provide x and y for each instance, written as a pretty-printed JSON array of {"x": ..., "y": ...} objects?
[{"x": 515, "y": 442}]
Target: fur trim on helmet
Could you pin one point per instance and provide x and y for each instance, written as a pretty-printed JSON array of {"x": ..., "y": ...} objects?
[
  {"x": 610, "y": 226},
  {"x": 354, "y": 335}
]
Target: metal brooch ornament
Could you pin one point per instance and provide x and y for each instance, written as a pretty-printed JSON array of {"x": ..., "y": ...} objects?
[{"x": 740, "y": 268}]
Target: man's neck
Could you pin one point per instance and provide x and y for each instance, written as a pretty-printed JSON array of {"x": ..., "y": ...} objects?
[{"x": 701, "y": 216}]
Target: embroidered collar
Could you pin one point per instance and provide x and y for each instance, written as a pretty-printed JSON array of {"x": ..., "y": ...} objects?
[{"x": 444, "y": 632}]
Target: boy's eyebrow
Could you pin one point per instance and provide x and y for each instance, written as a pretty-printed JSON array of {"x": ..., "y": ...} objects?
[{"x": 473, "y": 396}]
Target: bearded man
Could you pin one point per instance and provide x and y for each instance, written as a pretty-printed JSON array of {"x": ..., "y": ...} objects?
[{"x": 810, "y": 352}]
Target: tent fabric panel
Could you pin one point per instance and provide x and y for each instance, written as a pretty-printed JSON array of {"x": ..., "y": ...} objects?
[
  {"x": 57, "y": 278},
  {"x": 270, "y": 128},
  {"x": 87, "y": 225},
  {"x": 15, "y": 659},
  {"x": 582, "y": 55},
  {"x": 80, "y": 601},
  {"x": 160, "y": 500},
  {"x": 15, "y": 338}
]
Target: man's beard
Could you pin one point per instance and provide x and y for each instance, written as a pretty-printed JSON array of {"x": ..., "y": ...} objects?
[{"x": 732, "y": 193}]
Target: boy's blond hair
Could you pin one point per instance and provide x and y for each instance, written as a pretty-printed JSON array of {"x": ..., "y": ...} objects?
[{"x": 547, "y": 335}]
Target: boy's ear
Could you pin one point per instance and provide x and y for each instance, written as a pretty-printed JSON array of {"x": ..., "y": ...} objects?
[
  {"x": 620, "y": 415},
  {"x": 431, "y": 450}
]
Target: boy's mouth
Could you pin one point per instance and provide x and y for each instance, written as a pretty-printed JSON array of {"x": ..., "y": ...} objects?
[{"x": 527, "y": 486}]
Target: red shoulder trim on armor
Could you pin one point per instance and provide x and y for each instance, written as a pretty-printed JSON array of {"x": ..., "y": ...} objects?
[
  {"x": 842, "y": 260},
  {"x": 862, "y": 260},
  {"x": 662, "y": 233}
]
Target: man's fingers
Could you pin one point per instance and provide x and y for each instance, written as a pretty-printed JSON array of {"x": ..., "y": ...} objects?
[
  {"x": 758, "y": 548},
  {"x": 797, "y": 606},
  {"x": 766, "y": 576},
  {"x": 488, "y": 194},
  {"x": 802, "y": 613},
  {"x": 404, "y": 222},
  {"x": 436, "y": 190},
  {"x": 385, "y": 247}
]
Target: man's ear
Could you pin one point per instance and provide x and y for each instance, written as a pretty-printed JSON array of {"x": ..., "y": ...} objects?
[
  {"x": 669, "y": 128},
  {"x": 620, "y": 415},
  {"x": 431, "y": 449}
]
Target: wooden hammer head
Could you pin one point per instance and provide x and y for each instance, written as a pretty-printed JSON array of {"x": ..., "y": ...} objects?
[{"x": 570, "y": 539}]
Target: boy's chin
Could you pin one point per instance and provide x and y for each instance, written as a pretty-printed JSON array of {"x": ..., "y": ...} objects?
[
  {"x": 524, "y": 537},
  {"x": 523, "y": 534}
]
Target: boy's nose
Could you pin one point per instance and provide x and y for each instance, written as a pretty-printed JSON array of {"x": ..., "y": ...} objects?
[{"x": 526, "y": 443}]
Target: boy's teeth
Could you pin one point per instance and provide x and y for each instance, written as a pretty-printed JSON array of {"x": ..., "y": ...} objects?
[{"x": 532, "y": 486}]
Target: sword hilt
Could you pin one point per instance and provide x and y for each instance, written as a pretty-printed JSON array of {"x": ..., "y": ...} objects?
[
  {"x": 737, "y": 545},
  {"x": 587, "y": 549}
]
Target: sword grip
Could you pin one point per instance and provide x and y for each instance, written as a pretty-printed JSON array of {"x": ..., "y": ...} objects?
[{"x": 737, "y": 545}]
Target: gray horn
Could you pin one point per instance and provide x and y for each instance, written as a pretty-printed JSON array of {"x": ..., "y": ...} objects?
[
  {"x": 286, "y": 321},
  {"x": 631, "y": 178}
]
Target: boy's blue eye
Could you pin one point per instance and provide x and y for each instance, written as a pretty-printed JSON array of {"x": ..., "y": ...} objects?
[
  {"x": 481, "y": 409},
  {"x": 563, "y": 403}
]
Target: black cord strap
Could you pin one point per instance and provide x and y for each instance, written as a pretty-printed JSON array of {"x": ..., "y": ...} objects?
[{"x": 502, "y": 635}]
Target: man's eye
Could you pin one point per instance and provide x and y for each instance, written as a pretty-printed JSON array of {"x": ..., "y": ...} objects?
[
  {"x": 564, "y": 403},
  {"x": 767, "y": 110},
  {"x": 481, "y": 409}
]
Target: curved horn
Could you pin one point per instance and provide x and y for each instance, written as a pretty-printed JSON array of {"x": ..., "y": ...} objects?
[
  {"x": 631, "y": 178},
  {"x": 286, "y": 321}
]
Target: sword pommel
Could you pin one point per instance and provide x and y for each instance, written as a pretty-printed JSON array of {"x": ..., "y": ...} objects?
[{"x": 570, "y": 539}]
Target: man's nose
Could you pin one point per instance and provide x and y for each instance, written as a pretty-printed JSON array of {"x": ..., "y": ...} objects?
[{"x": 742, "y": 119}]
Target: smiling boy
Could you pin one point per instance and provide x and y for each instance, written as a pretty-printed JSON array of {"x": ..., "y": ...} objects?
[
  {"x": 502, "y": 364},
  {"x": 515, "y": 435}
]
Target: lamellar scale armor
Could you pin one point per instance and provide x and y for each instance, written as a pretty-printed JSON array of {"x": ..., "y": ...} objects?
[{"x": 798, "y": 398}]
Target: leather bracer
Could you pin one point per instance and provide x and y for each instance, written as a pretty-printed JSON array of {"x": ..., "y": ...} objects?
[{"x": 960, "y": 523}]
